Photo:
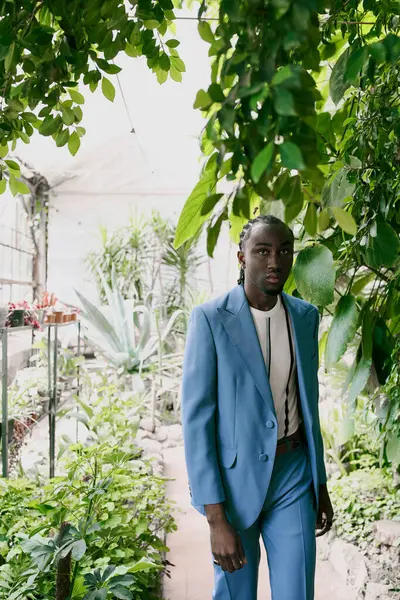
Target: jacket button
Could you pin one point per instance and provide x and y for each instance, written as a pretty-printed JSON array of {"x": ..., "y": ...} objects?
[
  {"x": 263, "y": 457},
  {"x": 270, "y": 424}
]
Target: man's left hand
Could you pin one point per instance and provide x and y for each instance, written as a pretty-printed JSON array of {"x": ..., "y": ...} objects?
[{"x": 325, "y": 512}]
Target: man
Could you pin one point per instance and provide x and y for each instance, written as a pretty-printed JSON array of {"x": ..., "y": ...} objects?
[{"x": 252, "y": 436}]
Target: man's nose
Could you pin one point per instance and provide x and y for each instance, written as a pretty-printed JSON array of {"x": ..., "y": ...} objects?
[{"x": 273, "y": 261}]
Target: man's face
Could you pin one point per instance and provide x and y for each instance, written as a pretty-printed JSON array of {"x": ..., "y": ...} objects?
[{"x": 267, "y": 257}]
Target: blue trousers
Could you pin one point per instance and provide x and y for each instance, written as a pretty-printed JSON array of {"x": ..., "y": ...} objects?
[{"x": 287, "y": 527}]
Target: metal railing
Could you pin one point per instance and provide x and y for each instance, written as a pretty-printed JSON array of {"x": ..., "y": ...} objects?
[{"x": 52, "y": 376}]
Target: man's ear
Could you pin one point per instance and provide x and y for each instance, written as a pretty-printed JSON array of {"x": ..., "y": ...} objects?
[{"x": 240, "y": 257}]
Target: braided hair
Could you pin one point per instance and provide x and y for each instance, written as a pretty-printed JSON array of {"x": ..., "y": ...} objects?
[{"x": 247, "y": 229}]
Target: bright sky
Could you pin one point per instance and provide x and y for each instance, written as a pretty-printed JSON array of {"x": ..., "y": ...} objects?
[{"x": 166, "y": 124}]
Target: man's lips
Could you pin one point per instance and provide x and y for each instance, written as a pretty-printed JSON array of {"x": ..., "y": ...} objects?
[{"x": 273, "y": 278}]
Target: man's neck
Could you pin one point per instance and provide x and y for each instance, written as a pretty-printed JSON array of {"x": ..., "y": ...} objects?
[{"x": 258, "y": 299}]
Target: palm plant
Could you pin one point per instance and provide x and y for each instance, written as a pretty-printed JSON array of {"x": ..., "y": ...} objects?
[
  {"x": 180, "y": 266},
  {"x": 122, "y": 331}
]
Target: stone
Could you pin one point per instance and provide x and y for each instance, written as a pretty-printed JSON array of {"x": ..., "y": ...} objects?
[
  {"x": 142, "y": 434},
  {"x": 175, "y": 433},
  {"x": 379, "y": 591},
  {"x": 350, "y": 564},
  {"x": 151, "y": 447},
  {"x": 387, "y": 532},
  {"x": 148, "y": 424},
  {"x": 161, "y": 435}
]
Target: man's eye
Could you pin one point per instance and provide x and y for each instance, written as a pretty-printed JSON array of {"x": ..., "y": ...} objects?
[
  {"x": 262, "y": 252},
  {"x": 284, "y": 252}
]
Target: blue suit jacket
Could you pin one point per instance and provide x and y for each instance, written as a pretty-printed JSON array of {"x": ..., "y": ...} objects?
[{"x": 229, "y": 421}]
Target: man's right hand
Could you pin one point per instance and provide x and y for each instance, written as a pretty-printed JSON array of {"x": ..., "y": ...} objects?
[{"x": 226, "y": 546}]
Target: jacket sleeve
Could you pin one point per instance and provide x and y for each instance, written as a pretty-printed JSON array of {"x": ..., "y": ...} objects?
[
  {"x": 199, "y": 403},
  {"x": 320, "y": 450}
]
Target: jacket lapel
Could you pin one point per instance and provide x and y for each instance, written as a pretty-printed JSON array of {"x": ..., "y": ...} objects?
[{"x": 239, "y": 325}]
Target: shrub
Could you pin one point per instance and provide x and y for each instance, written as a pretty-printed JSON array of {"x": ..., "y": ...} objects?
[
  {"x": 109, "y": 507},
  {"x": 361, "y": 498}
]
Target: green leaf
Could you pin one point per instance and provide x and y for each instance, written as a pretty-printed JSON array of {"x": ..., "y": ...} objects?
[
  {"x": 74, "y": 143},
  {"x": 108, "y": 89},
  {"x": 142, "y": 565},
  {"x": 393, "y": 449},
  {"x": 345, "y": 220},
  {"x": 323, "y": 220},
  {"x": 172, "y": 43},
  {"x": 76, "y": 97},
  {"x": 162, "y": 76},
  {"x": 62, "y": 138},
  {"x": 164, "y": 62},
  {"x": 284, "y": 102},
  {"x": 262, "y": 162},
  {"x": 3, "y": 150},
  {"x": 68, "y": 115},
  {"x": 107, "y": 67},
  {"x": 355, "y": 65},
  {"x": 78, "y": 113},
  {"x": 30, "y": 117},
  {"x": 175, "y": 74},
  {"x": 50, "y": 125},
  {"x": 215, "y": 92},
  {"x": 359, "y": 379},
  {"x": 14, "y": 166},
  {"x": 210, "y": 203},
  {"x": 315, "y": 275},
  {"x": 385, "y": 247},
  {"x": 22, "y": 188},
  {"x": 337, "y": 84},
  {"x": 78, "y": 549},
  {"x": 342, "y": 330},
  {"x": 291, "y": 156},
  {"x": 340, "y": 189},
  {"x": 367, "y": 334},
  {"x": 3, "y": 186},
  {"x": 191, "y": 219},
  {"x": 205, "y": 32},
  {"x": 203, "y": 100},
  {"x": 360, "y": 283},
  {"x": 178, "y": 64},
  {"x": 122, "y": 593},
  {"x": 310, "y": 220},
  {"x": 213, "y": 234},
  {"x": 132, "y": 51}
]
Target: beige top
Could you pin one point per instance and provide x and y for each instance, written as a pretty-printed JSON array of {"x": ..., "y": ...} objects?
[{"x": 271, "y": 327}]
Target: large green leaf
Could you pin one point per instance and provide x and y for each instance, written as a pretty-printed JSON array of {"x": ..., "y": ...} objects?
[
  {"x": 345, "y": 220},
  {"x": 315, "y": 275},
  {"x": 342, "y": 329},
  {"x": 108, "y": 89},
  {"x": 310, "y": 220},
  {"x": 340, "y": 189},
  {"x": 338, "y": 84},
  {"x": 360, "y": 379},
  {"x": 291, "y": 156},
  {"x": 262, "y": 162},
  {"x": 393, "y": 449},
  {"x": 191, "y": 217},
  {"x": 385, "y": 247},
  {"x": 355, "y": 64}
]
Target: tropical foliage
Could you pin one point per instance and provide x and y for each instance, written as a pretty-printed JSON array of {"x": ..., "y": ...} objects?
[
  {"x": 124, "y": 333},
  {"x": 148, "y": 267},
  {"x": 303, "y": 117},
  {"x": 50, "y": 47},
  {"x": 97, "y": 531}
]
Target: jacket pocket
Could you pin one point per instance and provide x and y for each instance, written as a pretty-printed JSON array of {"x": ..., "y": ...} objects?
[{"x": 227, "y": 456}]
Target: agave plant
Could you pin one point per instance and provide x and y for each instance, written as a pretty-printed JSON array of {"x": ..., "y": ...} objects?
[{"x": 122, "y": 332}]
